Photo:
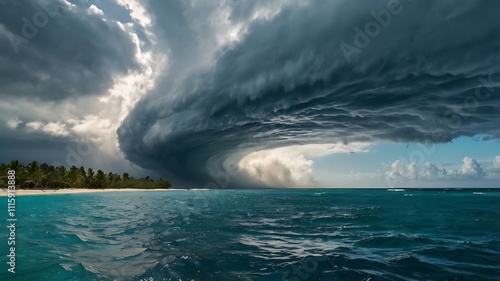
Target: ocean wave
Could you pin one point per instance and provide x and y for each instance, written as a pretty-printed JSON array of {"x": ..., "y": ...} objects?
[
  {"x": 257, "y": 236},
  {"x": 396, "y": 189}
]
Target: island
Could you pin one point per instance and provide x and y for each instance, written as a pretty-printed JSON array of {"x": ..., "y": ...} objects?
[{"x": 36, "y": 176}]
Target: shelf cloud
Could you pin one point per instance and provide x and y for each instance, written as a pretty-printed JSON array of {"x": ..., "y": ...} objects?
[
  {"x": 203, "y": 92},
  {"x": 428, "y": 74}
]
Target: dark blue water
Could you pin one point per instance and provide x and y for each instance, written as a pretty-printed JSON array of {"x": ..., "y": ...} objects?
[{"x": 257, "y": 235}]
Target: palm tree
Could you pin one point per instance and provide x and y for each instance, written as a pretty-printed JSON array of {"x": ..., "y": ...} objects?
[
  {"x": 100, "y": 179},
  {"x": 112, "y": 179},
  {"x": 50, "y": 174},
  {"x": 90, "y": 177},
  {"x": 36, "y": 178},
  {"x": 44, "y": 175},
  {"x": 19, "y": 168},
  {"x": 73, "y": 176},
  {"x": 32, "y": 167},
  {"x": 3, "y": 176},
  {"x": 3, "y": 168},
  {"x": 16, "y": 166},
  {"x": 163, "y": 183},
  {"x": 58, "y": 177},
  {"x": 83, "y": 176}
]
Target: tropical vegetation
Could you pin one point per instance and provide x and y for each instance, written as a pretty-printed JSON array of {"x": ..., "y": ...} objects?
[{"x": 43, "y": 176}]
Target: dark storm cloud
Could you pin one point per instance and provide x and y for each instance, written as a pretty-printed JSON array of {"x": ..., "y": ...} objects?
[
  {"x": 430, "y": 74},
  {"x": 50, "y": 51}
]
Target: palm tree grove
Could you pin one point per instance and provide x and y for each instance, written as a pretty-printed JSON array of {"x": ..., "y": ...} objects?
[{"x": 44, "y": 176}]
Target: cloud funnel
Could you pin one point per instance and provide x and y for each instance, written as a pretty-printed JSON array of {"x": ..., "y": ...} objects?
[{"x": 431, "y": 74}]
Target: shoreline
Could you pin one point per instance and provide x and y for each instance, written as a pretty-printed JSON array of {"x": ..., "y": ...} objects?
[{"x": 27, "y": 192}]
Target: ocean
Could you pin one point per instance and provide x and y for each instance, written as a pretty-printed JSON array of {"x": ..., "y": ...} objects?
[{"x": 287, "y": 234}]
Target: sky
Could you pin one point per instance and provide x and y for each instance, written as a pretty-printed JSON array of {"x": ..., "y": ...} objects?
[{"x": 244, "y": 94}]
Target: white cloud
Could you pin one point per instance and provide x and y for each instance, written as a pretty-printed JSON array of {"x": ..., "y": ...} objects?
[
  {"x": 398, "y": 170},
  {"x": 495, "y": 170},
  {"x": 69, "y": 4},
  {"x": 94, "y": 10},
  {"x": 51, "y": 128},
  {"x": 432, "y": 171},
  {"x": 471, "y": 168},
  {"x": 137, "y": 11},
  {"x": 292, "y": 170},
  {"x": 55, "y": 129},
  {"x": 35, "y": 125},
  {"x": 291, "y": 166},
  {"x": 13, "y": 123}
]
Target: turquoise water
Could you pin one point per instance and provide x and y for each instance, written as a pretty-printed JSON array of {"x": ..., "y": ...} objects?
[{"x": 257, "y": 235}]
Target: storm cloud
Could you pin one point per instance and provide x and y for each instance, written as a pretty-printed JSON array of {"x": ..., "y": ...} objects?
[
  {"x": 428, "y": 74},
  {"x": 69, "y": 73},
  {"x": 243, "y": 93},
  {"x": 51, "y": 50}
]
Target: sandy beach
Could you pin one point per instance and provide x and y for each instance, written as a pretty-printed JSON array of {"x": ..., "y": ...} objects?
[{"x": 23, "y": 192}]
